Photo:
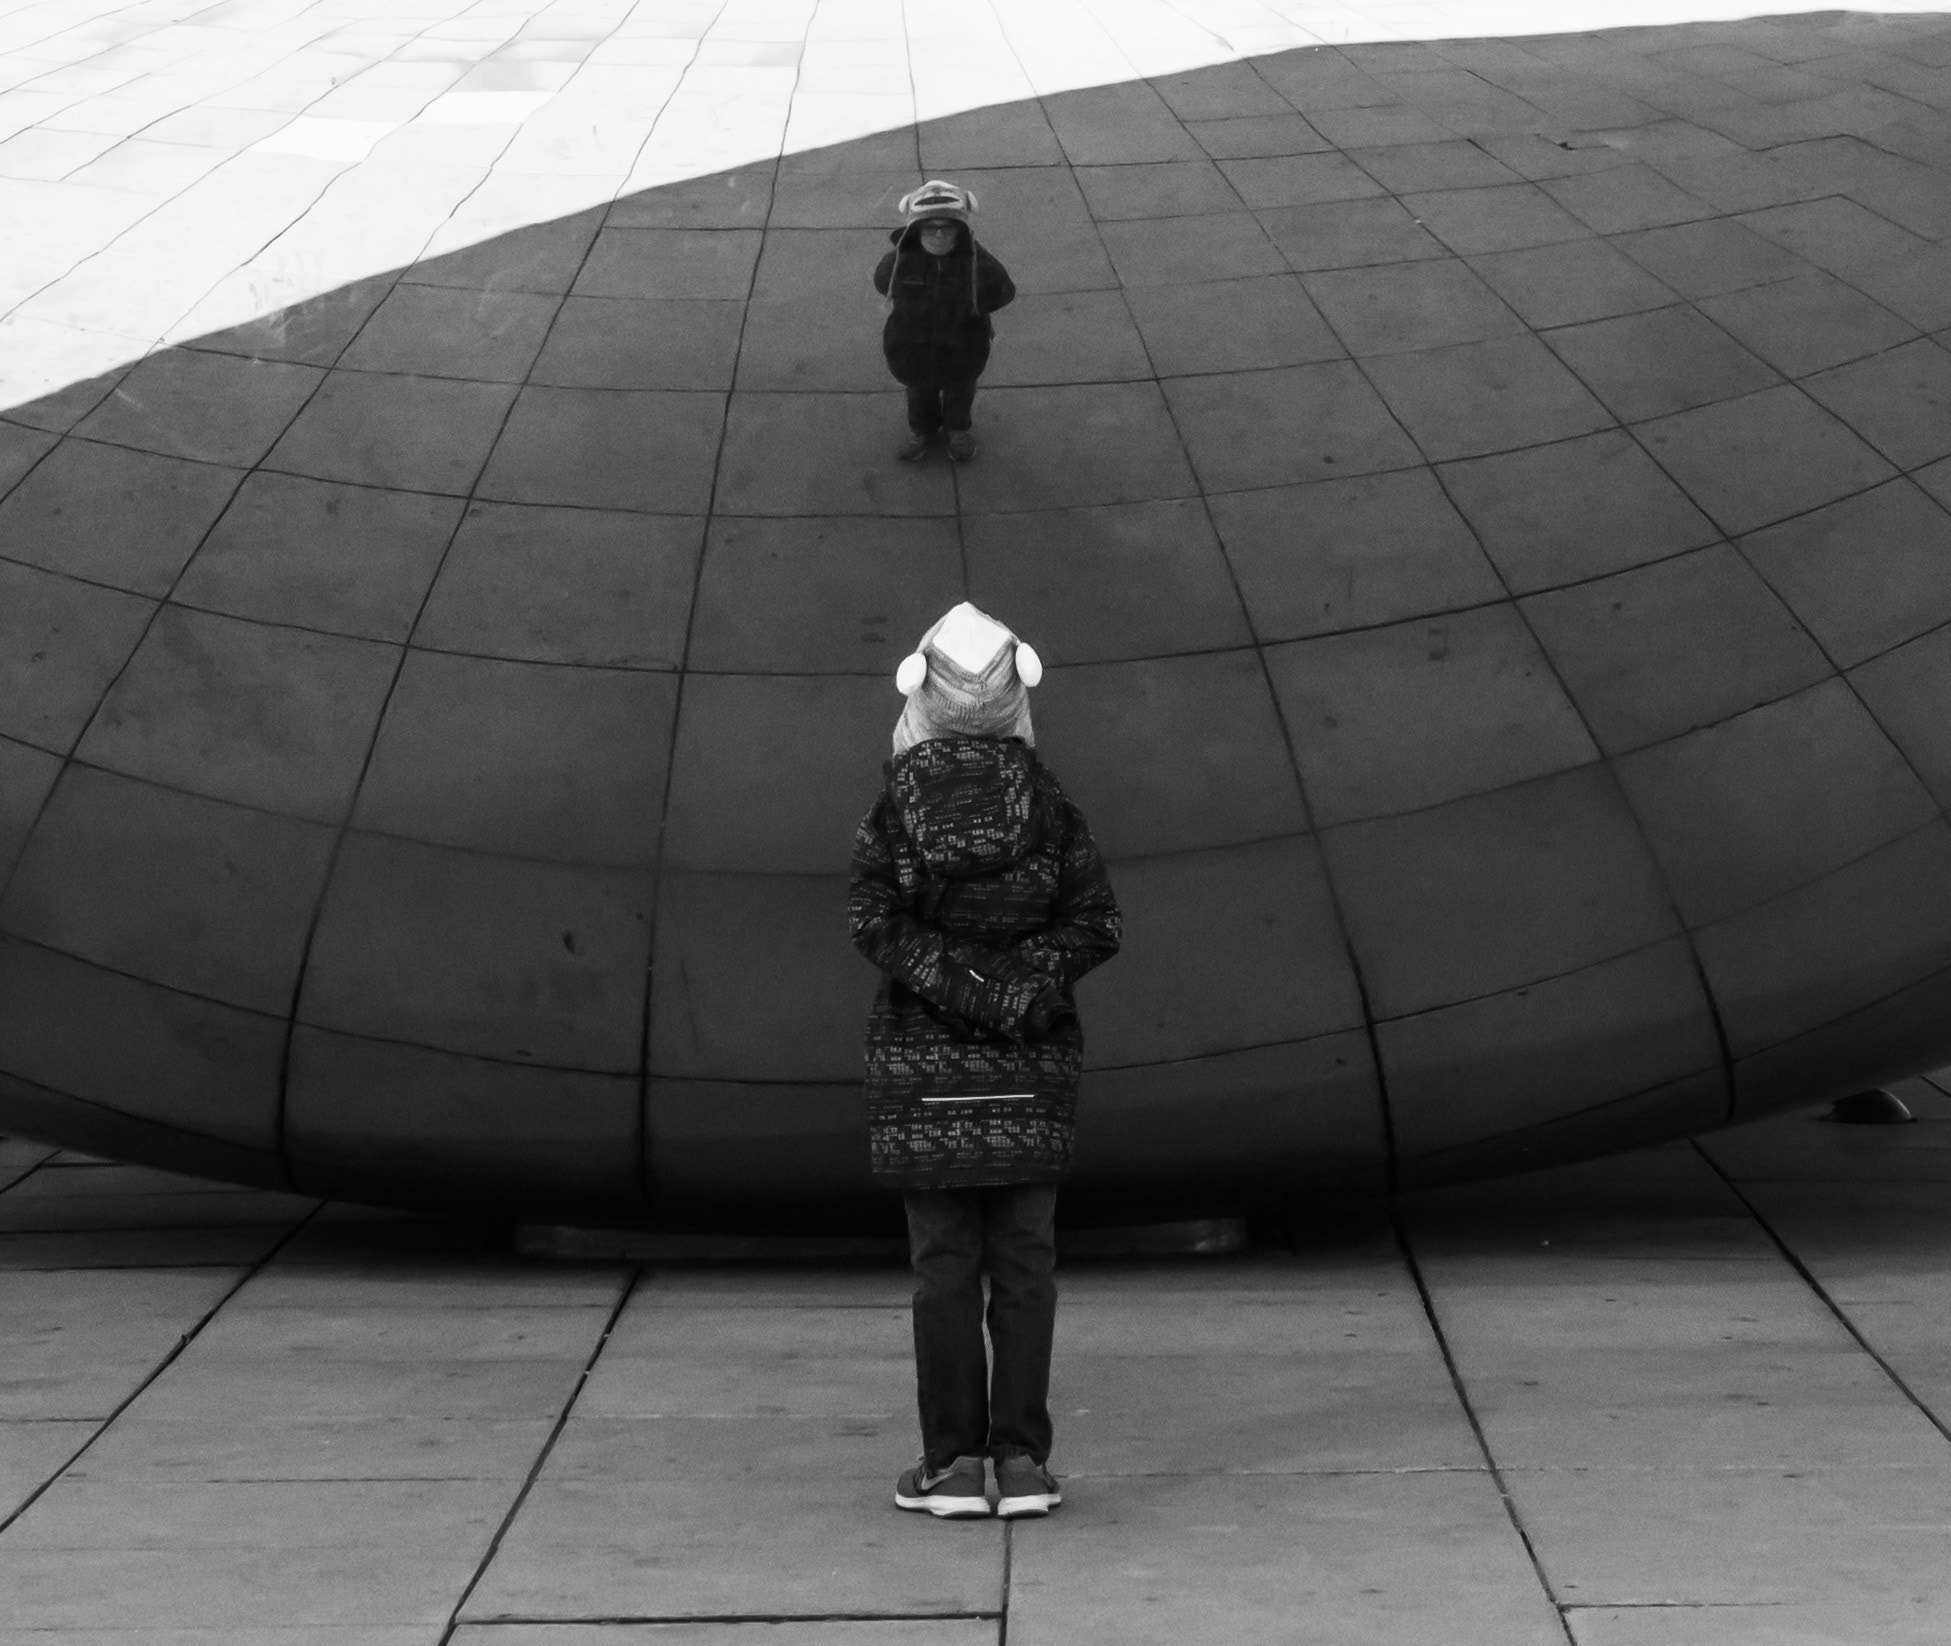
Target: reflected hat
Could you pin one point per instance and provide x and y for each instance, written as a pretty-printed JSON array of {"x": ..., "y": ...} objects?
[
  {"x": 969, "y": 677},
  {"x": 937, "y": 199}
]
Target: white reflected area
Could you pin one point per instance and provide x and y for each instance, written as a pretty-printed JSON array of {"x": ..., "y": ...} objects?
[{"x": 173, "y": 167}]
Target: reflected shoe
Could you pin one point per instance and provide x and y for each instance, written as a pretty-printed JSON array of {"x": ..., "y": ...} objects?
[
  {"x": 958, "y": 1492},
  {"x": 913, "y": 449},
  {"x": 961, "y": 445},
  {"x": 1024, "y": 1488}
]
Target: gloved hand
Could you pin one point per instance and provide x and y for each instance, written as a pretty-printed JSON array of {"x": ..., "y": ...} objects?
[{"x": 1046, "y": 1012}]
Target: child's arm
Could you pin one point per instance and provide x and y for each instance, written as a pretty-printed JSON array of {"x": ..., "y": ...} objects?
[
  {"x": 1085, "y": 925},
  {"x": 994, "y": 288},
  {"x": 990, "y": 987},
  {"x": 884, "y": 272}
]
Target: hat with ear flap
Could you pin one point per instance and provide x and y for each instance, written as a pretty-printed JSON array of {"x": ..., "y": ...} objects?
[
  {"x": 936, "y": 198},
  {"x": 969, "y": 677}
]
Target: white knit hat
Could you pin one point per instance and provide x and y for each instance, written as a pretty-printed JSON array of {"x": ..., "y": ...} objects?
[{"x": 969, "y": 677}]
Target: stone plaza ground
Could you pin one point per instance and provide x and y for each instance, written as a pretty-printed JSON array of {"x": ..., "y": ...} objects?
[{"x": 1695, "y": 1396}]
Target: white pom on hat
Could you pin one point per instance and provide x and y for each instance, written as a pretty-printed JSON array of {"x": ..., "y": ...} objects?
[
  {"x": 1029, "y": 667},
  {"x": 912, "y": 675}
]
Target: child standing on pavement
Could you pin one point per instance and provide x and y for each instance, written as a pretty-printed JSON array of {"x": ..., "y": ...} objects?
[
  {"x": 941, "y": 289},
  {"x": 979, "y": 893}
]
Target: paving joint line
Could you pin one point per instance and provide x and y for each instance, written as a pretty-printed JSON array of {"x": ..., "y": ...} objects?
[
  {"x": 1289, "y": 1474},
  {"x": 23, "y": 1173},
  {"x": 628, "y": 1619},
  {"x": 1491, "y": 1464},
  {"x": 1670, "y": 1605},
  {"x": 542, "y": 1456},
  {"x": 168, "y": 1360},
  {"x": 1822, "y": 1292},
  {"x": 1009, "y": 1561}
]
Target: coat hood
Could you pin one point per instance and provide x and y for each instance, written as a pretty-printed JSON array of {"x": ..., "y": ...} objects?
[{"x": 968, "y": 803}]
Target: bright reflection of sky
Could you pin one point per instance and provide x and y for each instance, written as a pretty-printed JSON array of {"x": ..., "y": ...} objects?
[{"x": 172, "y": 167}]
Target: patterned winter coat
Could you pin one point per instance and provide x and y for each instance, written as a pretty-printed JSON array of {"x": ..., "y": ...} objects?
[{"x": 978, "y": 891}]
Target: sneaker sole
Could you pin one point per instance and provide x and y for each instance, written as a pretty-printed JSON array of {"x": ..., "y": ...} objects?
[
  {"x": 946, "y": 1508},
  {"x": 1018, "y": 1508}
]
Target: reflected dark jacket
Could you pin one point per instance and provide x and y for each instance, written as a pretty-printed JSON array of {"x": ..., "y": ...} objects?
[
  {"x": 979, "y": 893},
  {"x": 938, "y": 327}
]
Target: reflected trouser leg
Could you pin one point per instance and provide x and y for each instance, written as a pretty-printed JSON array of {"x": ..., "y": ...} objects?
[
  {"x": 958, "y": 403},
  {"x": 951, "y": 1368},
  {"x": 1020, "y": 1253},
  {"x": 925, "y": 407}
]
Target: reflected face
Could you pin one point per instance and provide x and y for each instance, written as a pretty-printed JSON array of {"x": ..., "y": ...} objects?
[{"x": 938, "y": 239}]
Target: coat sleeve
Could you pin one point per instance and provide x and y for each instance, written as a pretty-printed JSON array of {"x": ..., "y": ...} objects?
[
  {"x": 884, "y": 272},
  {"x": 994, "y": 288},
  {"x": 1085, "y": 925},
  {"x": 993, "y": 988}
]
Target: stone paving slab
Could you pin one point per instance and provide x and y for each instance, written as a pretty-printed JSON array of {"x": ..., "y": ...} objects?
[
  {"x": 182, "y": 1554},
  {"x": 1253, "y": 1415},
  {"x": 18, "y": 1159},
  {"x": 675, "y": 1362},
  {"x": 1900, "y": 1622},
  {"x": 1854, "y": 1536},
  {"x": 202, "y": 1211},
  {"x": 659, "y": 1517},
  {"x": 265, "y": 1386},
  {"x": 32, "y": 1453},
  {"x": 1213, "y": 1387},
  {"x": 223, "y": 1594},
  {"x": 414, "y": 1288},
  {"x": 1171, "y": 1558},
  {"x": 295, "y": 1445},
  {"x": 76, "y": 1344},
  {"x": 137, "y": 1249},
  {"x": 249, "y": 1635}
]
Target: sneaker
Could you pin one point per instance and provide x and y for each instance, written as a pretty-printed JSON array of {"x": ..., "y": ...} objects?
[
  {"x": 913, "y": 448},
  {"x": 958, "y": 1492},
  {"x": 1024, "y": 1488},
  {"x": 961, "y": 445}
]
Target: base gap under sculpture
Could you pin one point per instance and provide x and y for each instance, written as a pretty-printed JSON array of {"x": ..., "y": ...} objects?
[{"x": 1191, "y": 1237}]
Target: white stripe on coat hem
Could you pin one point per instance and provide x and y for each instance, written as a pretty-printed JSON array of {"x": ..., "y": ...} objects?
[{"x": 982, "y": 1097}]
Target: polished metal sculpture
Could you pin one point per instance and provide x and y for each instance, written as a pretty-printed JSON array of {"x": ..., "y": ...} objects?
[{"x": 1510, "y": 673}]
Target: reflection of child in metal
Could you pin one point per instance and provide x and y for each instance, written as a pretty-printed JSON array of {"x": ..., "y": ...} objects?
[
  {"x": 941, "y": 289},
  {"x": 979, "y": 893}
]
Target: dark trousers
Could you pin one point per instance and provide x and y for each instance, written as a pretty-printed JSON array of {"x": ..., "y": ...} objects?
[
  {"x": 956, "y": 1236},
  {"x": 941, "y": 403}
]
